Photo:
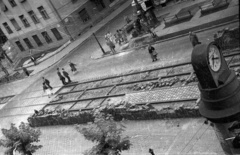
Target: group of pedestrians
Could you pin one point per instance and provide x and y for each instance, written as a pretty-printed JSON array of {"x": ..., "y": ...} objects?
[
  {"x": 141, "y": 27},
  {"x": 63, "y": 76},
  {"x": 120, "y": 37}
]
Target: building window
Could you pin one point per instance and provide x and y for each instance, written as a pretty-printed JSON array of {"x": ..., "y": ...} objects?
[
  {"x": 43, "y": 12},
  {"x": 15, "y": 24},
  {"x": 28, "y": 43},
  {"x": 22, "y": 1},
  {"x": 12, "y": 3},
  {"x": 46, "y": 37},
  {"x": 4, "y": 8},
  {"x": 56, "y": 33},
  {"x": 84, "y": 15},
  {"x": 24, "y": 21},
  {"x": 9, "y": 30},
  {"x": 74, "y": 1},
  {"x": 37, "y": 40},
  {"x": 18, "y": 43},
  {"x": 33, "y": 16}
]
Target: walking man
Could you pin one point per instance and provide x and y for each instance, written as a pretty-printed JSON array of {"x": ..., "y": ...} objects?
[
  {"x": 72, "y": 66},
  {"x": 66, "y": 75},
  {"x": 152, "y": 53},
  {"x": 61, "y": 77},
  {"x": 47, "y": 83},
  {"x": 47, "y": 90},
  {"x": 194, "y": 39}
]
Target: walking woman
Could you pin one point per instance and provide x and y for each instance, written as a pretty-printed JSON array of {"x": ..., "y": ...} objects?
[
  {"x": 47, "y": 90},
  {"x": 72, "y": 66},
  {"x": 152, "y": 53},
  {"x": 110, "y": 45}
]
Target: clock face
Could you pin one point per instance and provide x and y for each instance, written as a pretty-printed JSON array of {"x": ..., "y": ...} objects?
[{"x": 214, "y": 58}]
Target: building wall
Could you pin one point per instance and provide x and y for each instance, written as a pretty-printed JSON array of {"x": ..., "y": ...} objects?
[
  {"x": 69, "y": 12},
  {"x": 28, "y": 32}
]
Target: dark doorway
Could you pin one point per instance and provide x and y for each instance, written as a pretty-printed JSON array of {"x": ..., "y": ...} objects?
[
  {"x": 3, "y": 38},
  {"x": 99, "y": 4}
]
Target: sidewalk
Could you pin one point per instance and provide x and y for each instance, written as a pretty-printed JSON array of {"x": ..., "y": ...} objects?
[
  {"x": 63, "y": 51},
  {"x": 196, "y": 24},
  {"x": 59, "y": 55}
]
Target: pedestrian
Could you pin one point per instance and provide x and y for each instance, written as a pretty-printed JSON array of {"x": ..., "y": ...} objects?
[
  {"x": 194, "y": 39},
  {"x": 25, "y": 71},
  {"x": 72, "y": 66},
  {"x": 66, "y": 75},
  {"x": 124, "y": 35},
  {"x": 110, "y": 45},
  {"x": 151, "y": 151},
  {"x": 152, "y": 53},
  {"x": 61, "y": 77},
  {"x": 137, "y": 26},
  {"x": 119, "y": 35},
  {"x": 110, "y": 36},
  {"x": 47, "y": 90},
  {"x": 146, "y": 28},
  {"x": 47, "y": 83}
]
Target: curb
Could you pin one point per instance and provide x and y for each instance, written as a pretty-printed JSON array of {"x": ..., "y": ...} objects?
[
  {"x": 181, "y": 33},
  {"x": 81, "y": 42},
  {"x": 62, "y": 48}
]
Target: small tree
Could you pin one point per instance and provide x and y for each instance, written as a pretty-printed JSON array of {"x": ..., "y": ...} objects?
[
  {"x": 20, "y": 139},
  {"x": 107, "y": 134}
]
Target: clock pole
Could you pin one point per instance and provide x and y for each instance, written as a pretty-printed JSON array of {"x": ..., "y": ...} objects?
[{"x": 220, "y": 96}]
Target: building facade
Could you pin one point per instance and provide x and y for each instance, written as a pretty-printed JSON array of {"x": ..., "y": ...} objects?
[
  {"x": 30, "y": 25},
  {"x": 41, "y": 25},
  {"x": 80, "y": 15}
]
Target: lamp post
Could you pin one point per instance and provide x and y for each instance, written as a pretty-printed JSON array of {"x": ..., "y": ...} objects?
[{"x": 99, "y": 44}]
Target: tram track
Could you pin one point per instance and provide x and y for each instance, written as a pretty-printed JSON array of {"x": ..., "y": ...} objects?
[
  {"x": 122, "y": 84},
  {"x": 86, "y": 95}
]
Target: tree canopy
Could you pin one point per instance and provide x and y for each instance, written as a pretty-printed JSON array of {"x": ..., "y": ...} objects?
[
  {"x": 107, "y": 134},
  {"x": 20, "y": 138}
]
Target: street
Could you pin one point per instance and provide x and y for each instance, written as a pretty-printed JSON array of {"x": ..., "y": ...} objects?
[{"x": 177, "y": 136}]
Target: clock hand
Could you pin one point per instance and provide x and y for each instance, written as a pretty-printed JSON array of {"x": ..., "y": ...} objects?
[{"x": 215, "y": 58}]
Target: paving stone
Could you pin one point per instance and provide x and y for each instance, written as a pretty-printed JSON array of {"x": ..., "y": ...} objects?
[{"x": 167, "y": 94}]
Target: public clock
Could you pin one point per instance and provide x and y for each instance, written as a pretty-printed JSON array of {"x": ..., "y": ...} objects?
[
  {"x": 209, "y": 65},
  {"x": 214, "y": 58}
]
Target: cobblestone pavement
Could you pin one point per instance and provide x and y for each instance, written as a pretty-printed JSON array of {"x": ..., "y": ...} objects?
[
  {"x": 165, "y": 137},
  {"x": 164, "y": 95}
]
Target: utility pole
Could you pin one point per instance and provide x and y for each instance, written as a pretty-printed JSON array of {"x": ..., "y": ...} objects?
[
  {"x": 61, "y": 20},
  {"x": 99, "y": 44}
]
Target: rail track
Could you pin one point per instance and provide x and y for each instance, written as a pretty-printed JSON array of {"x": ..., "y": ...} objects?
[
  {"x": 90, "y": 94},
  {"x": 93, "y": 93}
]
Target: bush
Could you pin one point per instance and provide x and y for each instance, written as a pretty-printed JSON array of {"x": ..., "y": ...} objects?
[{"x": 20, "y": 139}]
